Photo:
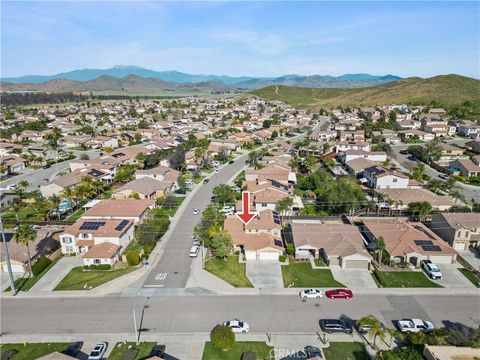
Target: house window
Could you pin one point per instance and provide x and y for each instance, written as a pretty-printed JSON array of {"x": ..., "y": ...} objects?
[
  {"x": 96, "y": 261},
  {"x": 395, "y": 180},
  {"x": 67, "y": 240},
  {"x": 85, "y": 236}
]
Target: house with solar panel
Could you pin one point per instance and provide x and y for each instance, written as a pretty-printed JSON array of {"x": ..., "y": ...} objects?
[
  {"x": 408, "y": 242},
  {"x": 97, "y": 241}
]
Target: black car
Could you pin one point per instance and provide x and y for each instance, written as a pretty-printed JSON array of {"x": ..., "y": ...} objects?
[
  {"x": 73, "y": 349},
  {"x": 158, "y": 350},
  {"x": 411, "y": 157},
  {"x": 404, "y": 152},
  {"x": 313, "y": 352},
  {"x": 231, "y": 162},
  {"x": 334, "y": 325},
  {"x": 206, "y": 181}
]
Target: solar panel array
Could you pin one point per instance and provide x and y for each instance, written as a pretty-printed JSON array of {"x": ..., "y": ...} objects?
[
  {"x": 422, "y": 230},
  {"x": 423, "y": 243},
  {"x": 91, "y": 225},
  {"x": 122, "y": 224},
  {"x": 431, "y": 248}
]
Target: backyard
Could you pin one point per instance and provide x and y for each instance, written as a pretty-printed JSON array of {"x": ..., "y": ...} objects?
[
  {"x": 78, "y": 279},
  {"x": 229, "y": 270},
  {"x": 262, "y": 350},
  {"x": 403, "y": 279},
  {"x": 301, "y": 274},
  {"x": 346, "y": 351}
]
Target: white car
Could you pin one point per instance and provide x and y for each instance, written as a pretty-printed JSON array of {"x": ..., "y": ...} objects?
[
  {"x": 188, "y": 182},
  {"x": 196, "y": 211},
  {"x": 217, "y": 170},
  {"x": 237, "y": 326},
  {"x": 194, "y": 251},
  {"x": 415, "y": 325},
  {"x": 311, "y": 294},
  {"x": 431, "y": 269},
  {"x": 98, "y": 351}
]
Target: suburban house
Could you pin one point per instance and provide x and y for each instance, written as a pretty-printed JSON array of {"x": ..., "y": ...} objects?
[
  {"x": 380, "y": 178},
  {"x": 468, "y": 129},
  {"x": 324, "y": 135},
  {"x": 417, "y": 134},
  {"x": 400, "y": 199},
  {"x": 466, "y": 167},
  {"x": 450, "y": 151},
  {"x": 145, "y": 188},
  {"x": 260, "y": 239},
  {"x": 474, "y": 146},
  {"x": 352, "y": 145},
  {"x": 357, "y": 166},
  {"x": 232, "y": 145},
  {"x": 56, "y": 186},
  {"x": 336, "y": 244},
  {"x": 161, "y": 173},
  {"x": 216, "y": 149},
  {"x": 378, "y": 156},
  {"x": 408, "y": 242},
  {"x": 127, "y": 209},
  {"x": 275, "y": 172},
  {"x": 460, "y": 230},
  {"x": 12, "y": 164},
  {"x": 100, "y": 242},
  {"x": 99, "y": 142}
]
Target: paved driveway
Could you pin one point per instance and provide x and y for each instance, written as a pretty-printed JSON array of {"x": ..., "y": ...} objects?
[
  {"x": 452, "y": 277},
  {"x": 51, "y": 279},
  {"x": 353, "y": 278},
  {"x": 265, "y": 274},
  {"x": 472, "y": 258}
]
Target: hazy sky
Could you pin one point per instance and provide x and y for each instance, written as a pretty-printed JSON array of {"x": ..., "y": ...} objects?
[{"x": 243, "y": 38}]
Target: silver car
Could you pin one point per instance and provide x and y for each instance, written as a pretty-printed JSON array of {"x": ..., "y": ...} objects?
[{"x": 98, "y": 351}]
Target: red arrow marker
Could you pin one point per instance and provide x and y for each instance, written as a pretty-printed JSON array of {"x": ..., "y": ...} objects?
[{"x": 246, "y": 215}]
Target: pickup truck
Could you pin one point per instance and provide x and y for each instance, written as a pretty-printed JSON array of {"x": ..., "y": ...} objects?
[
  {"x": 414, "y": 325},
  {"x": 431, "y": 269}
]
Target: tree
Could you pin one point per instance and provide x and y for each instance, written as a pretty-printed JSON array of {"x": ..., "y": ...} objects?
[
  {"x": 328, "y": 162},
  {"x": 125, "y": 173},
  {"x": 224, "y": 194},
  {"x": 84, "y": 156},
  {"x": 210, "y": 223},
  {"x": 418, "y": 172},
  {"x": 221, "y": 244},
  {"x": 140, "y": 158},
  {"x": 375, "y": 327},
  {"x": 450, "y": 183},
  {"x": 222, "y": 337},
  {"x": 435, "y": 185},
  {"x": 309, "y": 163},
  {"x": 177, "y": 159},
  {"x": 200, "y": 156},
  {"x": 134, "y": 195},
  {"x": 274, "y": 134},
  {"x": 24, "y": 235},
  {"x": 432, "y": 151},
  {"x": 284, "y": 204},
  {"x": 457, "y": 195},
  {"x": 253, "y": 158},
  {"x": 420, "y": 210}
]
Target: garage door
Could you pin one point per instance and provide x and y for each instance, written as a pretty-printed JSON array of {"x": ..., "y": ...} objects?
[
  {"x": 251, "y": 255},
  {"x": 268, "y": 255},
  {"x": 441, "y": 259},
  {"x": 356, "y": 264},
  {"x": 459, "y": 246},
  {"x": 15, "y": 268}
]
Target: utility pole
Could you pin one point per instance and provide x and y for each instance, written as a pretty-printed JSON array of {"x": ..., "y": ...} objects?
[
  {"x": 135, "y": 323},
  {"x": 7, "y": 259}
]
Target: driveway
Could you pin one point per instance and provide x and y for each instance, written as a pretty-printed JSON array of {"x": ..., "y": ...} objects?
[
  {"x": 265, "y": 274},
  {"x": 470, "y": 257},
  {"x": 453, "y": 278},
  {"x": 353, "y": 278},
  {"x": 51, "y": 279}
]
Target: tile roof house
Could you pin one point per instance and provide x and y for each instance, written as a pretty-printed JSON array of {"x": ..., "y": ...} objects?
[
  {"x": 467, "y": 167},
  {"x": 401, "y": 198},
  {"x": 409, "y": 241},
  {"x": 380, "y": 178},
  {"x": 460, "y": 230},
  {"x": 145, "y": 188},
  {"x": 336, "y": 244},
  {"x": 128, "y": 209}
]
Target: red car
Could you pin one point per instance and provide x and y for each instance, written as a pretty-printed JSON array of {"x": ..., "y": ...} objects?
[{"x": 339, "y": 294}]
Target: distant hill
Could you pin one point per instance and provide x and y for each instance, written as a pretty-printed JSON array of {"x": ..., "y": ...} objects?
[
  {"x": 247, "y": 82},
  {"x": 444, "y": 89}
]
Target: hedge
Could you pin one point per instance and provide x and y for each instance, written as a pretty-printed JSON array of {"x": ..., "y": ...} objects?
[
  {"x": 40, "y": 265},
  {"x": 100, "y": 267},
  {"x": 133, "y": 258}
]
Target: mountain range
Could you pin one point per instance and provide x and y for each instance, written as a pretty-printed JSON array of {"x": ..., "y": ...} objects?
[{"x": 124, "y": 77}]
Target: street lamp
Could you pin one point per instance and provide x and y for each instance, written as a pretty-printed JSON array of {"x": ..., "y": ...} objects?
[{"x": 7, "y": 259}]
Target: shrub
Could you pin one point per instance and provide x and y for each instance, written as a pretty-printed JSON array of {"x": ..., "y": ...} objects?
[
  {"x": 222, "y": 337},
  {"x": 416, "y": 338},
  {"x": 100, "y": 267},
  {"x": 290, "y": 249},
  {"x": 148, "y": 248},
  {"x": 40, "y": 265},
  {"x": 399, "y": 354},
  {"x": 282, "y": 258},
  {"x": 133, "y": 258},
  {"x": 8, "y": 354}
]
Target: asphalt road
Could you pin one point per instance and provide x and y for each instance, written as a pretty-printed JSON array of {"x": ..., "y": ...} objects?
[
  {"x": 189, "y": 314},
  {"x": 173, "y": 268},
  {"x": 470, "y": 192}
]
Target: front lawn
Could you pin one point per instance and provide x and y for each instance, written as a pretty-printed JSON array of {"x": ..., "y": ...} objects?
[
  {"x": 262, "y": 350},
  {"x": 173, "y": 207},
  {"x": 77, "y": 279},
  {"x": 30, "y": 351},
  {"x": 403, "y": 279},
  {"x": 229, "y": 270},
  {"x": 302, "y": 275},
  {"x": 26, "y": 283},
  {"x": 76, "y": 215},
  {"x": 346, "y": 351},
  {"x": 143, "y": 349},
  {"x": 474, "y": 279}
]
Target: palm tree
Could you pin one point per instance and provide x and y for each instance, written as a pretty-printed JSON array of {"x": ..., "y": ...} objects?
[
  {"x": 394, "y": 333},
  {"x": 140, "y": 158},
  {"x": 55, "y": 201},
  {"x": 253, "y": 158},
  {"x": 200, "y": 156},
  {"x": 435, "y": 185},
  {"x": 450, "y": 183},
  {"x": 456, "y": 195},
  {"x": 380, "y": 249},
  {"x": 16, "y": 206},
  {"x": 375, "y": 327},
  {"x": 284, "y": 204},
  {"x": 418, "y": 172},
  {"x": 69, "y": 194},
  {"x": 24, "y": 235}
]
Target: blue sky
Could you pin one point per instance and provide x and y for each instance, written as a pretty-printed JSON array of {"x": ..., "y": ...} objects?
[{"x": 243, "y": 38}]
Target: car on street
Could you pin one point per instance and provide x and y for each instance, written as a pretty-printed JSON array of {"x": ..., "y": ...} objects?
[
  {"x": 217, "y": 171},
  {"x": 194, "y": 251},
  {"x": 335, "y": 326},
  {"x": 205, "y": 181},
  {"x": 196, "y": 211},
  {"x": 431, "y": 269},
  {"x": 158, "y": 351},
  {"x": 73, "y": 349},
  {"x": 98, "y": 351},
  {"x": 443, "y": 176},
  {"x": 404, "y": 152},
  {"x": 415, "y": 325},
  {"x": 237, "y": 326},
  {"x": 411, "y": 157},
  {"x": 339, "y": 294},
  {"x": 313, "y": 352},
  {"x": 196, "y": 242},
  {"x": 311, "y": 294},
  {"x": 231, "y": 162}
]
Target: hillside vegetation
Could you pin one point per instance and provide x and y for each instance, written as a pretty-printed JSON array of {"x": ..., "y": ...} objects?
[{"x": 446, "y": 90}]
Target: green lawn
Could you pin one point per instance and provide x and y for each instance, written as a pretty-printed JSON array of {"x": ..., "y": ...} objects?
[
  {"x": 403, "y": 279},
  {"x": 76, "y": 215},
  {"x": 26, "y": 283},
  {"x": 31, "y": 351},
  {"x": 302, "y": 275},
  {"x": 345, "y": 351},
  {"x": 197, "y": 179},
  {"x": 77, "y": 279},
  {"x": 229, "y": 270},
  {"x": 474, "y": 279},
  {"x": 172, "y": 209},
  {"x": 263, "y": 351},
  {"x": 143, "y": 348},
  {"x": 24, "y": 213}
]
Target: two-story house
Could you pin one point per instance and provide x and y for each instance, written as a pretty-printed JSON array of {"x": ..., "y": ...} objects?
[
  {"x": 380, "y": 178},
  {"x": 460, "y": 230}
]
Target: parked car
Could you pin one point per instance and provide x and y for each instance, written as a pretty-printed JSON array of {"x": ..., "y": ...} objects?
[
  {"x": 443, "y": 176},
  {"x": 404, "y": 152},
  {"x": 237, "y": 326},
  {"x": 98, "y": 351},
  {"x": 194, "y": 251},
  {"x": 196, "y": 211},
  {"x": 411, "y": 157},
  {"x": 205, "y": 181},
  {"x": 73, "y": 349},
  {"x": 431, "y": 269},
  {"x": 415, "y": 325},
  {"x": 313, "y": 352},
  {"x": 157, "y": 350},
  {"x": 339, "y": 294},
  {"x": 231, "y": 162},
  {"x": 335, "y": 325},
  {"x": 197, "y": 242},
  {"x": 217, "y": 171},
  {"x": 311, "y": 294}
]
